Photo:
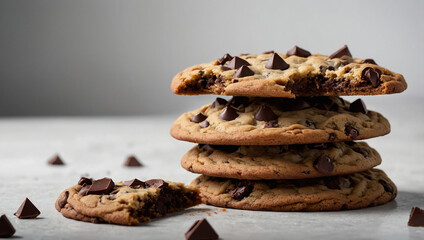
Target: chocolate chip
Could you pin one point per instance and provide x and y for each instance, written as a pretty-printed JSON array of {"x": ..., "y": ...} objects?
[
  {"x": 6, "y": 228},
  {"x": 237, "y": 62},
  {"x": 310, "y": 124},
  {"x": 297, "y": 51},
  {"x": 416, "y": 217},
  {"x": 265, "y": 114},
  {"x": 387, "y": 187},
  {"x": 62, "y": 202},
  {"x": 358, "y": 106},
  {"x": 132, "y": 161},
  {"x": 332, "y": 182},
  {"x": 218, "y": 102},
  {"x": 84, "y": 190},
  {"x": 198, "y": 118},
  {"x": 271, "y": 125},
  {"x": 56, "y": 160},
  {"x": 101, "y": 186},
  {"x": 324, "y": 103},
  {"x": 227, "y": 57},
  {"x": 331, "y": 137},
  {"x": 344, "y": 51},
  {"x": 268, "y": 52},
  {"x": 206, "y": 147},
  {"x": 276, "y": 62},
  {"x": 371, "y": 75},
  {"x": 204, "y": 124},
  {"x": 324, "y": 164},
  {"x": 226, "y": 148},
  {"x": 224, "y": 68},
  {"x": 85, "y": 181},
  {"x": 324, "y": 69},
  {"x": 242, "y": 190},
  {"x": 350, "y": 143},
  {"x": 351, "y": 132},
  {"x": 369, "y": 61},
  {"x": 27, "y": 210},
  {"x": 243, "y": 71},
  {"x": 294, "y": 104},
  {"x": 157, "y": 183},
  {"x": 201, "y": 230},
  {"x": 228, "y": 114},
  {"x": 238, "y": 101},
  {"x": 135, "y": 183}
]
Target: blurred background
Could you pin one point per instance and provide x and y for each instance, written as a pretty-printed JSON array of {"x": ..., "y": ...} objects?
[{"x": 118, "y": 57}]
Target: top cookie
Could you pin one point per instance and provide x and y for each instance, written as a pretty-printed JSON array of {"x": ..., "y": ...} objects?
[{"x": 296, "y": 73}]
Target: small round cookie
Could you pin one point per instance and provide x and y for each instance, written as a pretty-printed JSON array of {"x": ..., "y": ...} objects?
[
  {"x": 358, "y": 190},
  {"x": 281, "y": 162},
  {"x": 279, "y": 121}
]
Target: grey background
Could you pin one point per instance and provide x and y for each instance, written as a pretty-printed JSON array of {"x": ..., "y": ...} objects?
[{"x": 118, "y": 57}]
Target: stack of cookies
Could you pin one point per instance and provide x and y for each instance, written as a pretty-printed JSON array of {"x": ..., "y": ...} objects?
[{"x": 286, "y": 140}]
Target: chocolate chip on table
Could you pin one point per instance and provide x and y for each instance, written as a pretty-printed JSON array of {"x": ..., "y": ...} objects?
[
  {"x": 201, "y": 230},
  {"x": 243, "y": 71},
  {"x": 62, "y": 202},
  {"x": 387, "y": 186},
  {"x": 157, "y": 183},
  {"x": 135, "y": 183},
  {"x": 204, "y": 124},
  {"x": 237, "y": 62},
  {"x": 358, "y": 106},
  {"x": 219, "y": 102},
  {"x": 324, "y": 164},
  {"x": 271, "y": 125},
  {"x": 297, "y": 51},
  {"x": 416, "y": 217},
  {"x": 132, "y": 161},
  {"x": 56, "y": 160},
  {"x": 369, "y": 61},
  {"x": 265, "y": 114},
  {"x": 198, "y": 118},
  {"x": 27, "y": 210},
  {"x": 242, "y": 190},
  {"x": 85, "y": 181},
  {"x": 228, "y": 114},
  {"x": 276, "y": 62},
  {"x": 101, "y": 186},
  {"x": 371, "y": 75},
  {"x": 351, "y": 132},
  {"x": 227, "y": 57},
  {"x": 6, "y": 228},
  {"x": 344, "y": 51}
]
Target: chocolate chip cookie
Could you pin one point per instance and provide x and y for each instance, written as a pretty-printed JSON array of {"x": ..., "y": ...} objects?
[
  {"x": 277, "y": 121},
  {"x": 358, "y": 190},
  {"x": 296, "y": 73},
  {"x": 281, "y": 162},
  {"x": 124, "y": 203}
]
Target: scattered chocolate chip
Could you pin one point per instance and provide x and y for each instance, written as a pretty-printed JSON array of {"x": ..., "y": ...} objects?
[
  {"x": 237, "y": 62},
  {"x": 271, "y": 125},
  {"x": 276, "y": 62},
  {"x": 294, "y": 104},
  {"x": 387, "y": 187},
  {"x": 324, "y": 69},
  {"x": 371, "y": 75},
  {"x": 369, "y": 61},
  {"x": 238, "y": 101},
  {"x": 132, "y": 161},
  {"x": 6, "y": 228},
  {"x": 228, "y": 114},
  {"x": 225, "y": 148},
  {"x": 56, "y": 160},
  {"x": 324, "y": 164},
  {"x": 218, "y": 102},
  {"x": 351, "y": 132},
  {"x": 101, "y": 186},
  {"x": 198, "y": 118},
  {"x": 297, "y": 51},
  {"x": 157, "y": 183},
  {"x": 243, "y": 71},
  {"x": 62, "y": 202},
  {"x": 331, "y": 137},
  {"x": 204, "y": 124},
  {"x": 135, "y": 183},
  {"x": 416, "y": 218},
  {"x": 341, "y": 52},
  {"x": 84, "y": 190},
  {"x": 201, "y": 230},
  {"x": 27, "y": 210},
  {"x": 310, "y": 124},
  {"x": 358, "y": 106},
  {"x": 242, "y": 190},
  {"x": 265, "y": 114},
  {"x": 227, "y": 57},
  {"x": 268, "y": 52},
  {"x": 85, "y": 181}
]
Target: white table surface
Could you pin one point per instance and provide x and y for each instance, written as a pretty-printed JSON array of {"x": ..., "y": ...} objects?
[{"x": 98, "y": 147}]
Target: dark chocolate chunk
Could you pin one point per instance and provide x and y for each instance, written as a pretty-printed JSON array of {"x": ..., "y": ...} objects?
[
  {"x": 242, "y": 190},
  {"x": 198, "y": 118},
  {"x": 84, "y": 190},
  {"x": 62, "y": 202},
  {"x": 201, "y": 230},
  {"x": 268, "y": 52},
  {"x": 371, "y": 75},
  {"x": 324, "y": 69},
  {"x": 135, "y": 183},
  {"x": 297, "y": 51},
  {"x": 56, "y": 160},
  {"x": 157, "y": 183},
  {"x": 239, "y": 101},
  {"x": 132, "y": 161},
  {"x": 331, "y": 137},
  {"x": 324, "y": 164},
  {"x": 218, "y": 102},
  {"x": 265, "y": 114},
  {"x": 101, "y": 186},
  {"x": 369, "y": 61},
  {"x": 227, "y": 57},
  {"x": 387, "y": 187},
  {"x": 294, "y": 104},
  {"x": 226, "y": 148},
  {"x": 310, "y": 124},
  {"x": 276, "y": 62},
  {"x": 416, "y": 218},
  {"x": 204, "y": 124},
  {"x": 271, "y": 125},
  {"x": 27, "y": 210},
  {"x": 228, "y": 114},
  {"x": 243, "y": 71},
  {"x": 224, "y": 68},
  {"x": 85, "y": 181},
  {"x": 358, "y": 106},
  {"x": 237, "y": 62},
  {"x": 6, "y": 228},
  {"x": 351, "y": 132},
  {"x": 344, "y": 51}
]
